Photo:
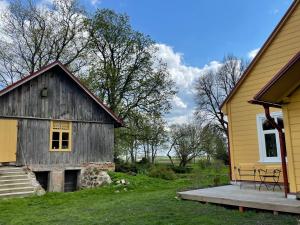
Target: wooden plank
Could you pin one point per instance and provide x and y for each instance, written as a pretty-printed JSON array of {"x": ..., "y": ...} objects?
[{"x": 245, "y": 198}]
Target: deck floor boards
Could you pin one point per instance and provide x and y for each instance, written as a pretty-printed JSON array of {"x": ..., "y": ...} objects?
[{"x": 248, "y": 198}]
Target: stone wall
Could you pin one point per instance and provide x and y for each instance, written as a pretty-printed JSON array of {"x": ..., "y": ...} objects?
[{"x": 95, "y": 175}]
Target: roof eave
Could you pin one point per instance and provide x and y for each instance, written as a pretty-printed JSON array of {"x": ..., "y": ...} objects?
[
  {"x": 118, "y": 121},
  {"x": 261, "y": 51}
]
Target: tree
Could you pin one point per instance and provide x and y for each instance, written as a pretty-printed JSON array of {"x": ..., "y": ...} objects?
[
  {"x": 124, "y": 71},
  {"x": 213, "y": 143},
  {"x": 214, "y": 86},
  {"x": 153, "y": 136},
  {"x": 186, "y": 141},
  {"x": 33, "y": 35}
]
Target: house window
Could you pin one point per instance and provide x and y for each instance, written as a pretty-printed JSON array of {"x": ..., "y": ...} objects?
[
  {"x": 269, "y": 146},
  {"x": 60, "y": 136}
]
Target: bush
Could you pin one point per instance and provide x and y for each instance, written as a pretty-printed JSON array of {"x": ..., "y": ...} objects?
[
  {"x": 204, "y": 163},
  {"x": 126, "y": 167},
  {"x": 180, "y": 169},
  {"x": 162, "y": 172},
  {"x": 217, "y": 165}
]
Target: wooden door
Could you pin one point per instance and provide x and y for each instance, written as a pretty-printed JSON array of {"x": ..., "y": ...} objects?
[{"x": 8, "y": 140}]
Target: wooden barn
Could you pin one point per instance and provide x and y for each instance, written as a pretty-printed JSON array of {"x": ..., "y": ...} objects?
[{"x": 52, "y": 124}]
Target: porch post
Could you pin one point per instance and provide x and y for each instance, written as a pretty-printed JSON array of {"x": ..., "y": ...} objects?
[{"x": 282, "y": 149}]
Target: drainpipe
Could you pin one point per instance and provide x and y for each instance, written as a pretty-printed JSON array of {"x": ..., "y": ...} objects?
[{"x": 282, "y": 149}]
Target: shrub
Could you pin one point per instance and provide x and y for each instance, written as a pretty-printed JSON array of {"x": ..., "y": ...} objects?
[
  {"x": 204, "y": 163},
  {"x": 217, "y": 165},
  {"x": 125, "y": 167},
  {"x": 143, "y": 166},
  {"x": 162, "y": 172},
  {"x": 217, "y": 180},
  {"x": 180, "y": 169}
]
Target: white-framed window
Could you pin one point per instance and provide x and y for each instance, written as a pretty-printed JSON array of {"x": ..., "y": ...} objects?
[{"x": 268, "y": 138}]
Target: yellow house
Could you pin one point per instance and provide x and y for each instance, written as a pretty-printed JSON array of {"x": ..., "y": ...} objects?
[{"x": 266, "y": 103}]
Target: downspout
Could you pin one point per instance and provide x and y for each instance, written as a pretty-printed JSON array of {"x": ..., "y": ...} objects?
[{"x": 282, "y": 149}]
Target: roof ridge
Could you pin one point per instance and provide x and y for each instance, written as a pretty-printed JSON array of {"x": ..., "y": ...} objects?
[{"x": 75, "y": 79}]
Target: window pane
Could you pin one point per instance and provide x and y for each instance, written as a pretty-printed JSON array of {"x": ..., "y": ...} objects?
[
  {"x": 55, "y": 144},
  {"x": 55, "y": 136},
  {"x": 267, "y": 125},
  {"x": 65, "y": 136},
  {"x": 280, "y": 122},
  {"x": 65, "y": 144},
  {"x": 271, "y": 148}
]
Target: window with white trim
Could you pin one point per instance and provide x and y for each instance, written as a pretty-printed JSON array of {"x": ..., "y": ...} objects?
[{"x": 268, "y": 137}]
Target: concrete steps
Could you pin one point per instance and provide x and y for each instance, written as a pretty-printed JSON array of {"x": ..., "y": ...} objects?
[{"x": 14, "y": 182}]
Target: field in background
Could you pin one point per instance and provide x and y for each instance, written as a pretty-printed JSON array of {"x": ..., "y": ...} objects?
[{"x": 166, "y": 160}]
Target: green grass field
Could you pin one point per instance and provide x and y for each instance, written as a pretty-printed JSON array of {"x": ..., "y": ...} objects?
[{"x": 144, "y": 201}]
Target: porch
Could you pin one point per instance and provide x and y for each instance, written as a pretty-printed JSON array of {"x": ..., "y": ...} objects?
[{"x": 244, "y": 198}]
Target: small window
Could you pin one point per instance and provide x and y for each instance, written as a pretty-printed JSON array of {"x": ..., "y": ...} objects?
[
  {"x": 268, "y": 137},
  {"x": 60, "y": 136}
]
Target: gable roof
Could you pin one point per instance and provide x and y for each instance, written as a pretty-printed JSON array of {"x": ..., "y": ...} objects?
[
  {"x": 262, "y": 50},
  {"x": 282, "y": 84},
  {"x": 44, "y": 69}
]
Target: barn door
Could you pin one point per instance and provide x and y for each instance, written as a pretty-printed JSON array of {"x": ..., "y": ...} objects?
[{"x": 8, "y": 140}]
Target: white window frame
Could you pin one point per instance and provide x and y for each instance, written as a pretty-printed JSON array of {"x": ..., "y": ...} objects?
[{"x": 261, "y": 140}]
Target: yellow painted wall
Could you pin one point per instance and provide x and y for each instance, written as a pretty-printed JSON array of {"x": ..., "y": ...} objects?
[
  {"x": 242, "y": 115},
  {"x": 292, "y": 130},
  {"x": 8, "y": 140}
]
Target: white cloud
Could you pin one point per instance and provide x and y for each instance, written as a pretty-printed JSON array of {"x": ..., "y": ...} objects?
[
  {"x": 253, "y": 53},
  {"x": 186, "y": 117},
  {"x": 181, "y": 73},
  {"x": 177, "y": 102},
  {"x": 184, "y": 76},
  {"x": 95, "y": 2},
  {"x": 3, "y": 4}
]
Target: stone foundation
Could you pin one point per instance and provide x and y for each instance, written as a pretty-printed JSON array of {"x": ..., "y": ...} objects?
[
  {"x": 94, "y": 176},
  {"x": 38, "y": 190},
  {"x": 91, "y": 174}
]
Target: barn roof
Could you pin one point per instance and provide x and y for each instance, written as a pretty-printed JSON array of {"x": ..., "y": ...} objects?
[
  {"x": 44, "y": 69},
  {"x": 262, "y": 50}
]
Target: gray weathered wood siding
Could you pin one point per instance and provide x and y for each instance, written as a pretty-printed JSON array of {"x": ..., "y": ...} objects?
[
  {"x": 66, "y": 100},
  {"x": 91, "y": 142},
  {"x": 92, "y": 126}
]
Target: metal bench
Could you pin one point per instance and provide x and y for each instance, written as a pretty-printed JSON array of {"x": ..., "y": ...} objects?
[
  {"x": 266, "y": 174},
  {"x": 247, "y": 173}
]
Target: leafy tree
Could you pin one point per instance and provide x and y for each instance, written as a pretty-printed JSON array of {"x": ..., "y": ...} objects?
[
  {"x": 186, "y": 141},
  {"x": 124, "y": 71},
  {"x": 213, "y": 143},
  {"x": 153, "y": 136},
  {"x": 33, "y": 35}
]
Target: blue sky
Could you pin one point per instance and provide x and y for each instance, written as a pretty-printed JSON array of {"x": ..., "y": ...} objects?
[{"x": 195, "y": 35}]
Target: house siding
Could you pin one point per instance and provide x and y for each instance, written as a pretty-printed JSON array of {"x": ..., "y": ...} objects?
[
  {"x": 242, "y": 115},
  {"x": 292, "y": 122},
  {"x": 91, "y": 142}
]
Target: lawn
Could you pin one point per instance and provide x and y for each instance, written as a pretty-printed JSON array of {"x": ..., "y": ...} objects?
[{"x": 144, "y": 201}]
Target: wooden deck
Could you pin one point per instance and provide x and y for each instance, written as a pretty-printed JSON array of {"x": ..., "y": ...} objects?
[{"x": 244, "y": 198}]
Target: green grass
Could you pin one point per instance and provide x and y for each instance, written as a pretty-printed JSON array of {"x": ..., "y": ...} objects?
[{"x": 144, "y": 201}]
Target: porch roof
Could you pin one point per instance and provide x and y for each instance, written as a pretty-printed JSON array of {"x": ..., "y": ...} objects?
[{"x": 277, "y": 91}]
